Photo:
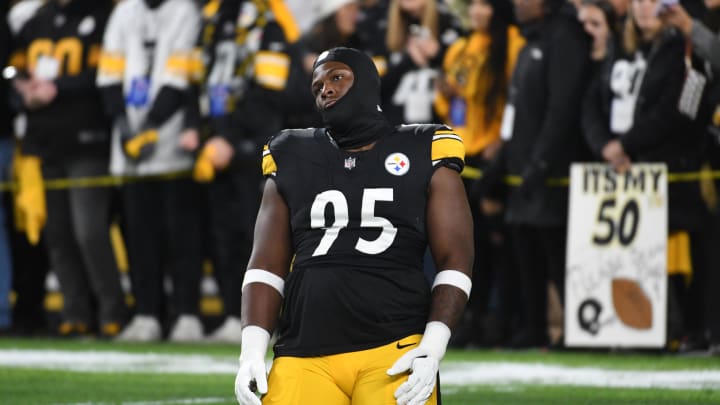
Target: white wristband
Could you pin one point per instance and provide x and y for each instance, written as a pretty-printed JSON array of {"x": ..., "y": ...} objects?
[
  {"x": 454, "y": 278},
  {"x": 435, "y": 338},
  {"x": 254, "y": 342},
  {"x": 265, "y": 277}
]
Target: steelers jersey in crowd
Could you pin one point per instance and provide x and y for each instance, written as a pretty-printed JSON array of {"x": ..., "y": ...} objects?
[
  {"x": 62, "y": 44},
  {"x": 147, "y": 51},
  {"x": 359, "y": 233},
  {"x": 242, "y": 45}
]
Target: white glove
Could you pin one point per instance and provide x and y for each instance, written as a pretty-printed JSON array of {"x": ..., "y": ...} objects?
[
  {"x": 423, "y": 363},
  {"x": 252, "y": 365}
]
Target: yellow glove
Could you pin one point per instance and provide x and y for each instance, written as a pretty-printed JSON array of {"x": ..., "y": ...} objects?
[
  {"x": 204, "y": 171},
  {"x": 31, "y": 210},
  {"x": 141, "y": 145}
]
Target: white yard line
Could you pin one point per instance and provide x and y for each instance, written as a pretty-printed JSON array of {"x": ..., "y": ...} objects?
[
  {"x": 452, "y": 373},
  {"x": 185, "y": 401}
]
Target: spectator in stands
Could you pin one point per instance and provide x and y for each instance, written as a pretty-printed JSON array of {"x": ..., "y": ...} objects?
[
  {"x": 626, "y": 119},
  {"x": 6, "y": 148},
  {"x": 704, "y": 34},
  {"x": 541, "y": 132},
  {"x": 472, "y": 91},
  {"x": 68, "y": 137},
  {"x": 246, "y": 106},
  {"x": 303, "y": 12},
  {"x": 30, "y": 262},
  {"x": 371, "y": 28},
  {"x": 418, "y": 34},
  {"x": 144, "y": 77},
  {"x": 705, "y": 38},
  {"x": 598, "y": 18}
]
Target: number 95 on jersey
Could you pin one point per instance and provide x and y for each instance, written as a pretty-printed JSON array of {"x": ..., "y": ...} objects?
[{"x": 616, "y": 278}]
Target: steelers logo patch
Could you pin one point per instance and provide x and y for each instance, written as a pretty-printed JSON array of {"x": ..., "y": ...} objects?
[{"x": 397, "y": 164}]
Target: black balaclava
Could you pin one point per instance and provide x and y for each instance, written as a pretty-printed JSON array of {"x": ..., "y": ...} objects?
[{"x": 356, "y": 119}]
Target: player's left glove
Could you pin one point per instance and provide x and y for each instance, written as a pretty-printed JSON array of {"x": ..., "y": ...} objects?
[
  {"x": 423, "y": 363},
  {"x": 252, "y": 377}
]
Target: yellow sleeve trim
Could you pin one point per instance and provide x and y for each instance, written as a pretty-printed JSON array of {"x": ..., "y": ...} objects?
[
  {"x": 111, "y": 64},
  {"x": 178, "y": 64},
  {"x": 272, "y": 69},
  {"x": 445, "y": 145},
  {"x": 211, "y": 8},
  {"x": 268, "y": 163},
  {"x": 285, "y": 19},
  {"x": 380, "y": 64}
]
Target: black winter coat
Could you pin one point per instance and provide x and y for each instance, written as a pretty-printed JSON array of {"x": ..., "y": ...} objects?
[
  {"x": 660, "y": 133},
  {"x": 546, "y": 91}
]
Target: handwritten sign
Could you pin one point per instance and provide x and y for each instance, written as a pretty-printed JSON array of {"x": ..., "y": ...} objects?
[{"x": 616, "y": 278}]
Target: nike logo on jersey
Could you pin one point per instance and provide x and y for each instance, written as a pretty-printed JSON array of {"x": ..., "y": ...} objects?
[{"x": 399, "y": 346}]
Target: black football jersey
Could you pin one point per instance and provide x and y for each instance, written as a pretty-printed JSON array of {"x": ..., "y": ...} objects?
[
  {"x": 64, "y": 44},
  {"x": 359, "y": 235}
]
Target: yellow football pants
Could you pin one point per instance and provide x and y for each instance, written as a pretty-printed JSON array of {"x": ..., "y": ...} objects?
[{"x": 354, "y": 378}]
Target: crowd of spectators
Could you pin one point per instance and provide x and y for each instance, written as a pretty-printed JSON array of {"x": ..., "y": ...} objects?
[{"x": 181, "y": 95}]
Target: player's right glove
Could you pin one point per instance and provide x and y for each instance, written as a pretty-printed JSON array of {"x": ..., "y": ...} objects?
[
  {"x": 423, "y": 363},
  {"x": 251, "y": 378}
]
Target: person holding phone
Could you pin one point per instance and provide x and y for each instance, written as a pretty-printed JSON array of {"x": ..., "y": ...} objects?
[{"x": 705, "y": 42}]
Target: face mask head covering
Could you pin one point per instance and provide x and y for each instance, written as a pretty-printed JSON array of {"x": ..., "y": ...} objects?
[
  {"x": 356, "y": 119},
  {"x": 154, "y": 3}
]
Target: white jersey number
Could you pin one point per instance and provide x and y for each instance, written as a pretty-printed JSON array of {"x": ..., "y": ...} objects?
[{"x": 368, "y": 219}]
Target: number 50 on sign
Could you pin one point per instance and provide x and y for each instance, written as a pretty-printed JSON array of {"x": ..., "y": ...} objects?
[{"x": 616, "y": 279}]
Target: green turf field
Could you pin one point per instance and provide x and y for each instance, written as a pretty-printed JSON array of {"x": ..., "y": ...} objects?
[{"x": 91, "y": 372}]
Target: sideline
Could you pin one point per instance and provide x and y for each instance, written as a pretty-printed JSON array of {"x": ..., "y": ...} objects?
[{"x": 452, "y": 373}]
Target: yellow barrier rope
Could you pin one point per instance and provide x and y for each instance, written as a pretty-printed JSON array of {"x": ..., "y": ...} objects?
[
  {"x": 471, "y": 173},
  {"x": 101, "y": 181}
]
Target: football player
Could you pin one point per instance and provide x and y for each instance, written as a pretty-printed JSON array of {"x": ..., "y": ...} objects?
[{"x": 353, "y": 207}]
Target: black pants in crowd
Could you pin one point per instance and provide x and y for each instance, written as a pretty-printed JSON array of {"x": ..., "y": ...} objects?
[
  {"x": 234, "y": 199},
  {"x": 163, "y": 231},
  {"x": 540, "y": 259},
  {"x": 78, "y": 243}
]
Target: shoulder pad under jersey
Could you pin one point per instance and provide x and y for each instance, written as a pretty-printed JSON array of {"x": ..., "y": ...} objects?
[{"x": 286, "y": 139}]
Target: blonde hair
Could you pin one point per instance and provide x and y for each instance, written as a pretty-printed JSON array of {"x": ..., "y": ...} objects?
[
  {"x": 398, "y": 24},
  {"x": 631, "y": 36}
]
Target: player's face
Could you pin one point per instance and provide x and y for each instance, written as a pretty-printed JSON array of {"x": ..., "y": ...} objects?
[{"x": 330, "y": 82}]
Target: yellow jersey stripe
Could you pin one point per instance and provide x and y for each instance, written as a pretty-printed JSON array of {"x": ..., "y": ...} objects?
[
  {"x": 268, "y": 164},
  {"x": 211, "y": 8},
  {"x": 380, "y": 64},
  {"x": 445, "y": 132},
  {"x": 272, "y": 69},
  {"x": 285, "y": 19},
  {"x": 178, "y": 64},
  {"x": 111, "y": 64},
  {"x": 447, "y": 147}
]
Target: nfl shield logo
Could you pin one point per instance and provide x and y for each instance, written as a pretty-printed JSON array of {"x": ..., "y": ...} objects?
[{"x": 350, "y": 163}]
